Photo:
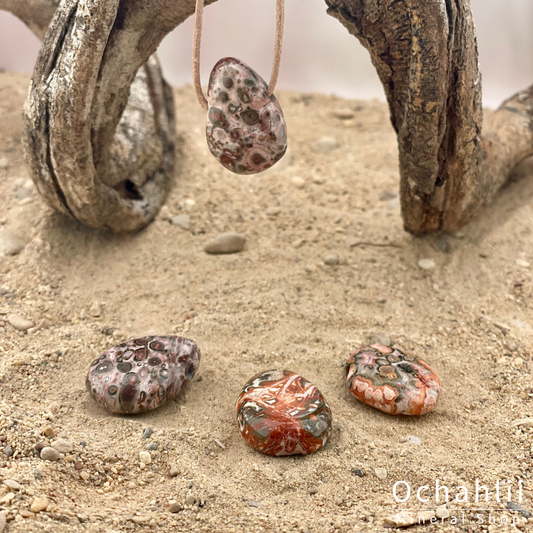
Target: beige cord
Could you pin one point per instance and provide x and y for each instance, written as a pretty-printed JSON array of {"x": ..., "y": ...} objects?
[{"x": 197, "y": 40}]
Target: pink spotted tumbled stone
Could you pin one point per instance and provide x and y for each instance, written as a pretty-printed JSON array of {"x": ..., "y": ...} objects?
[
  {"x": 246, "y": 129},
  {"x": 142, "y": 374}
]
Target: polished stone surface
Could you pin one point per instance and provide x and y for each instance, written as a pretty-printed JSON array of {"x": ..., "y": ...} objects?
[
  {"x": 142, "y": 374},
  {"x": 246, "y": 129},
  {"x": 392, "y": 381},
  {"x": 281, "y": 413}
]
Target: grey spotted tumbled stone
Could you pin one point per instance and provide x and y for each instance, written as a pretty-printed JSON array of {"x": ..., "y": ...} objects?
[
  {"x": 227, "y": 243},
  {"x": 142, "y": 374},
  {"x": 245, "y": 130}
]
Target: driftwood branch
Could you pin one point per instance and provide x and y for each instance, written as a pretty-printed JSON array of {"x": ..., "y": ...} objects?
[
  {"x": 426, "y": 56},
  {"x": 100, "y": 118}
]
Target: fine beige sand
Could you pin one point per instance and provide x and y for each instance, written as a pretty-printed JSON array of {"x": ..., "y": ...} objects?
[{"x": 274, "y": 305}]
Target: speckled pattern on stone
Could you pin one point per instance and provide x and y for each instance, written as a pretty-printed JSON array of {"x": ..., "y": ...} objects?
[
  {"x": 246, "y": 129},
  {"x": 392, "y": 381},
  {"x": 281, "y": 413},
  {"x": 142, "y": 374}
]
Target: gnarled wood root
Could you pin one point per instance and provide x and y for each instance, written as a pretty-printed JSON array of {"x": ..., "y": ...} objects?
[
  {"x": 119, "y": 184},
  {"x": 425, "y": 53}
]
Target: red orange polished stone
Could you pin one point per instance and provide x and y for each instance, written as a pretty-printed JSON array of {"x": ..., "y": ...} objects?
[
  {"x": 392, "y": 381},
  {"x": 281, "y": 413}
]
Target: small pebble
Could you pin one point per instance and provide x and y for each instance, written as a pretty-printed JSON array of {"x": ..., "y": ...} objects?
[
  {"x": 95, "y": 310},
  {"x": 227, "y": 243},
  {"x": 273, "y": 211},
  {"x": 253, "y": 503},
  {"x": 49, "y": 432},
  {"x": 359, "y": 472},
  {"x": 381, "y": 473},
  {"x": 515, "y": 507},
  {"x": 426, "y": 264},
  {"x": 181, "y": 221},
  {"x": 145, "y": 457},
  {"x": 3, "y": 521},
  {"x": 524, "y": 422},
  {"x": 343, "y": 113},
  {"x": 10, "y": 244},
  {"x": 413, "y": 440},
  {"x": 49, "y": 454},
  {"x": 387, "y": 195},
  {"x": 20, "y": 323},
  {"x": 37, "y": 473},
  {"x": 62, "y": 446},
  {"x": 39, "y": 504},
  {"x": 299, "y": 183},
  {"x": 152, "y": 446},
  {"x": 148, "y": 433},
  {"x": 325, "y": 145},
  {"x": 174, "y": 471},
  {"x": 175, "y": 507},
  {"x": 190, "y": 500},
  {"x": 522, "y": 263},
  {"x": 8, "y": 451},
  {"x": 442, "y": 512},
  {"x": 4, "y": 163},
  {"x": 331, "y": 260},
  {"x": 83, "y": 444},
  {"x": 12, "y": 484}
]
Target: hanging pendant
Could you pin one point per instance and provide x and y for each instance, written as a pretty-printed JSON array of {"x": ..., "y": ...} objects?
[{"x": 246, "y": 129}]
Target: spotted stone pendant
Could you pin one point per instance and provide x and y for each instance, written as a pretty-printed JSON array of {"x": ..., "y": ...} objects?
[{"x": 246, "y": 129}]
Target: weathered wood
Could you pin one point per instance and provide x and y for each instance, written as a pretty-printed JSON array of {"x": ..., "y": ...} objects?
[
  {"x": 110, "y": 167},
  {"x": 426, "y": 56}
]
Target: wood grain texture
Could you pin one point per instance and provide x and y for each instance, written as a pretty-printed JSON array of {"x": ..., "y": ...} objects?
[{"x": 426, "y": 56}]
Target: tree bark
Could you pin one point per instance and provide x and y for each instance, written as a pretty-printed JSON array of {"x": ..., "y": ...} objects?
[
  {"x": 105, "y": 159},
  {"x": 425, "y": 53}
]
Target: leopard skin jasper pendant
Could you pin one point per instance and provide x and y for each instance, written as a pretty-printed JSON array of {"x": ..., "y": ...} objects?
[
  {"x": 281, "y": 413},
  {"x": 392, "y": 381},
  {"x": 142, "y": 374},
  {"x": 246, "y": 129}
]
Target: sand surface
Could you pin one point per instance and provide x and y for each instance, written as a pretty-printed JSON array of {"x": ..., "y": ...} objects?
[{"x": 276, "y": 304}]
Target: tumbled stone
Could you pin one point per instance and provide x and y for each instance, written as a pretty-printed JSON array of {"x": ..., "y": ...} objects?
[
  {"x": 281, "y": 413},
  {"x": 226, "y": 243},
  {"x": 20, "y": 323},
  {"x": 50, "y": 454},
  {"x": 392, "y": 381},
  {"x": 142, "y": 374},
  {"x": 246, "y": 129},
  {"x": 39, "y": 504}
]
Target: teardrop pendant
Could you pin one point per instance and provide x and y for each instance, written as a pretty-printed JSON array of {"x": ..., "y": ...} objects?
[{"x": 246, "y": 129}]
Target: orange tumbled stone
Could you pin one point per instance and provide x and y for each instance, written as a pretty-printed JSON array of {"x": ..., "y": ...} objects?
[
  {"x": 281, "y": 413},
  {"x": 392, "y": 381}
]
